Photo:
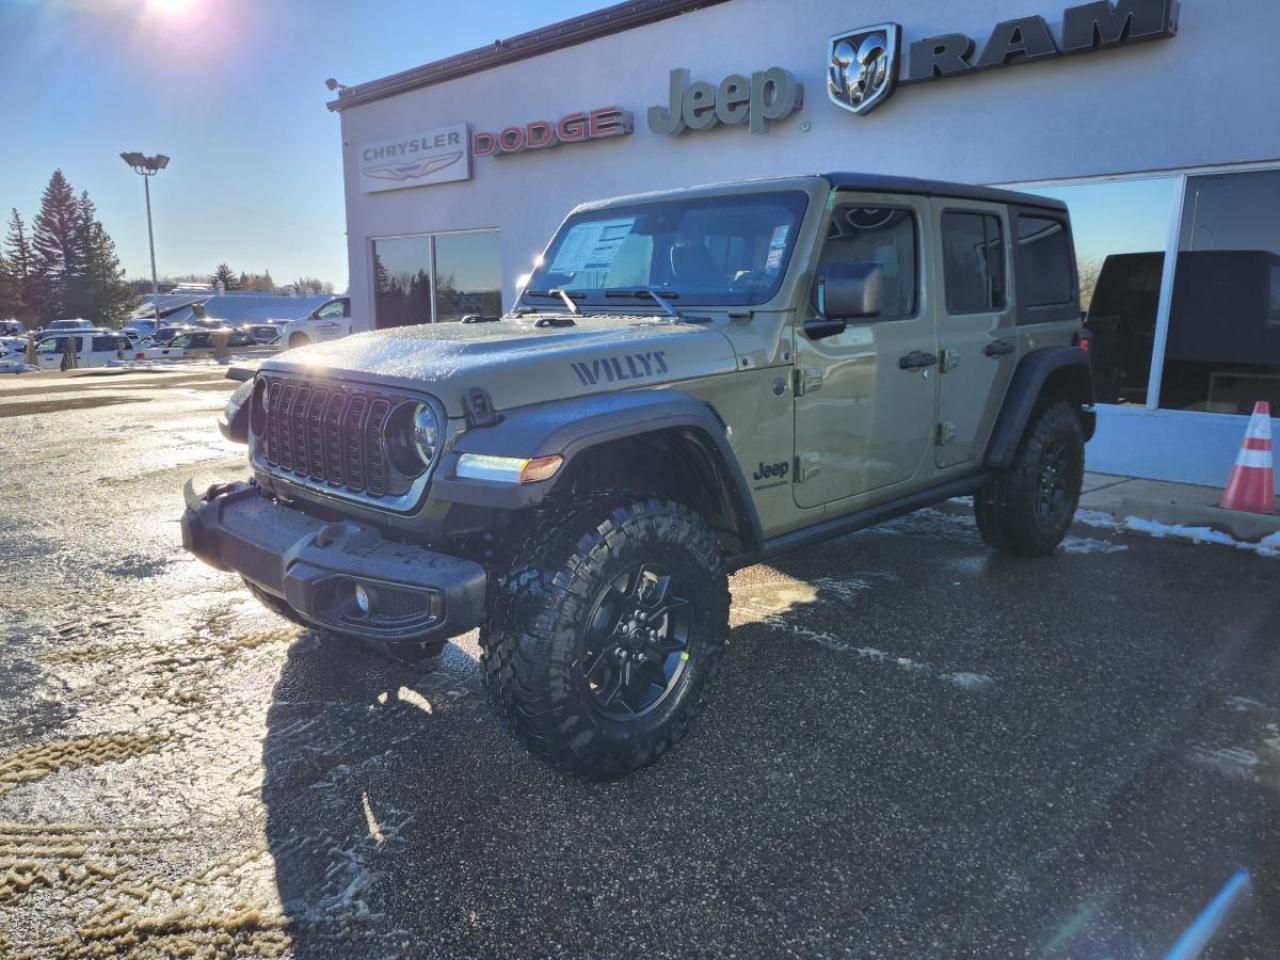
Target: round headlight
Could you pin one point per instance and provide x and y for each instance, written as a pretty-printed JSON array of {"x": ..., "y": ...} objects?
[{"x": 426, "y": 432}]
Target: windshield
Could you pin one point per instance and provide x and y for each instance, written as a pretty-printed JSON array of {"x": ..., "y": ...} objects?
[{"x": 730, "y": 250}]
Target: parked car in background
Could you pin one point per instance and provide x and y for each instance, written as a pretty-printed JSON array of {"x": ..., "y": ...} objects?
[
  {"x": 93, "y": 348},
  {"x": 266, "y": 334},
  {"x": 12, "y": 328},
  {"x": 61, "y": 326},
  {"x": 328, "y": 321},
  {"x": 198, "y": 345},
  {"x": 144, "y": 329},
  {"x": 165, "y": 335}
]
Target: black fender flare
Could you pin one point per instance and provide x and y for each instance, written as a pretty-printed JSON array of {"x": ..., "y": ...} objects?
[
  {"x": 1071, "y": 366},
  {"x": 571, "y": 427}
]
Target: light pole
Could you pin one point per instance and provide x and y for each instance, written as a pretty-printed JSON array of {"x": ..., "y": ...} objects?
[{"x": 148, "y": 167}]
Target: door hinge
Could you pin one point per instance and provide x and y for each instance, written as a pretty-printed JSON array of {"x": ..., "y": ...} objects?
[
  {"x": 948, "y": 360},
  {"x": 808, "y": 465},
  {"x": 808, "y": 379},
  {"x": 946, "y": 433}
]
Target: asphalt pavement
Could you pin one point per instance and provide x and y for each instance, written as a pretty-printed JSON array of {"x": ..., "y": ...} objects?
[{"x": 916, "y": 748}]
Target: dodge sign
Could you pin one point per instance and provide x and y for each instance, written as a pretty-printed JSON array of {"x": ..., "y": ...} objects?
[{"x": 415, "y": 159}]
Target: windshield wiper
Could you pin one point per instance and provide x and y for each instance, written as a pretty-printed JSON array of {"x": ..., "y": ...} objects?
[
  {"x": 564, "y": 295},
  {"x": 661, "y": 299}
]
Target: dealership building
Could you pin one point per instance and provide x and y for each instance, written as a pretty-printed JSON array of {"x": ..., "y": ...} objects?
[{"x": 1150, "y": 119}]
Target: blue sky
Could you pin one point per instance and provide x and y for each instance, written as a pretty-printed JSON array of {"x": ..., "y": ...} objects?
[{"x": 233, "y": 91}]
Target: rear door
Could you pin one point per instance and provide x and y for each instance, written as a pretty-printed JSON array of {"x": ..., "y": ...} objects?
[
  {"x": 865, "y": 398},
  {"x": 977, "y": 335}
]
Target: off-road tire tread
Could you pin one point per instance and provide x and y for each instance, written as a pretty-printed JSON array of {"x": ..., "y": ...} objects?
[
  {"x": 1005, "y": 508},
  {"x": 532, "y": 624}
]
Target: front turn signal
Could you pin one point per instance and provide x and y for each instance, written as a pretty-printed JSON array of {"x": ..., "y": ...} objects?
[{"x": 482, "y": 466}]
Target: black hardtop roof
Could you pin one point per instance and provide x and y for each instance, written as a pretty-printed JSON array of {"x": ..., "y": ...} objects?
[{"x": 880, "y": 183}]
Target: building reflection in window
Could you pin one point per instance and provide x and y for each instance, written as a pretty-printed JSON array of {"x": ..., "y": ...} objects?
[
  {"x": 1121, "y": 229},
  {"x": 1223, "y": 349}
]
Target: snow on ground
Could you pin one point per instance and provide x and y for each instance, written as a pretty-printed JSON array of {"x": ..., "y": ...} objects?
[{"x": 1268, "y": 546}]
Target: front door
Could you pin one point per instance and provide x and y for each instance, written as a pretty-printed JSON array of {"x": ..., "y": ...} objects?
[
  {"x": 976, "y": 331},
  {"x": 865, "y": 397}
]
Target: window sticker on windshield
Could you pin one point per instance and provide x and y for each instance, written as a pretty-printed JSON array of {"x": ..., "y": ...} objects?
[
  {"x": 591, "y": 246},
  {"x": 777, "y": 247}
]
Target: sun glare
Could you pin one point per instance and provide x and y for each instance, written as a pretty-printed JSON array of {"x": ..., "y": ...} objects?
[{"x": 170, "y": 8}]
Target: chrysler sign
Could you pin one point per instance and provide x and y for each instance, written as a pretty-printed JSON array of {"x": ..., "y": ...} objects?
[{"x": 416, "y": 159}]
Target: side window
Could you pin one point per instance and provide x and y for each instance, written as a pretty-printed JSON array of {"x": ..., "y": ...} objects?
[
  {"x": 1046, "y": 262},
  {"x": 101, "y": 344},
  {"x": 883, "y": 235},
  {"x": 973, "y": 262},
  {"x": 330, "y": 311}
]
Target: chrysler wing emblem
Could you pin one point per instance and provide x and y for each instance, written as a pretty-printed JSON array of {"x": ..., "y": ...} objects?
[
  {"x": 412, "y": 171},
  {"x": 862, "y": 69}
]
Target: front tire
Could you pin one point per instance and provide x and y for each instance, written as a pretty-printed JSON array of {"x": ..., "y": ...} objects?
[
  {"x": 1027, "y": 510},
  {"x": 603, "y": 638},
  {"x": 298, "y": 340}
]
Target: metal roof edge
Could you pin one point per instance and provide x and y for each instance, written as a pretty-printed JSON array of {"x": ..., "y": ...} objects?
[{"x": 557, "y": 36}]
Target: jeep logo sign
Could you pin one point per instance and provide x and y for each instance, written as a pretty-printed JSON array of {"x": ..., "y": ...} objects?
[
  {"x": 416, "y": 159},
  {"x": 772, "y": 94},
  {"x": 863, "y": 69}
]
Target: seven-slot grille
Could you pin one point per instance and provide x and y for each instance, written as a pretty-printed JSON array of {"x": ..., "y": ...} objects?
[{"x": 335, "y": 434}]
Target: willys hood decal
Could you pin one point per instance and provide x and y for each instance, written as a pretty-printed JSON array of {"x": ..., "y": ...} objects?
[{"x": 517, "y": 362}]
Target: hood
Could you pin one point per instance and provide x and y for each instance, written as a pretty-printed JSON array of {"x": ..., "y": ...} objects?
[{"x": 517, "y": 362}]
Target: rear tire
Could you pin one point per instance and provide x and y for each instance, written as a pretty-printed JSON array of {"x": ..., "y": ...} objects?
[
  {"x": 1027, "y": 510},
  {"x": 602, "y": 640}
]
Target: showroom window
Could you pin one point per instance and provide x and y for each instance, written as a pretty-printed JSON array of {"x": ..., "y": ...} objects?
[
  {"x": 436, "y": 277},
  {"x": 1120, "y": 229},
  {"x": 1223, "y": 348},
  {"x": 973, "y": 262}
]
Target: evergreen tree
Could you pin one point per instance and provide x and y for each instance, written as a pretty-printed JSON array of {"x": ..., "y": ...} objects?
[
  {"x": 226, "y": 276},
  {"x": 56, "y": 244},
  {"x": 21, "y": 268},
  {"x": 100, "y": 291},
  {"x": 10, "y": 302}
]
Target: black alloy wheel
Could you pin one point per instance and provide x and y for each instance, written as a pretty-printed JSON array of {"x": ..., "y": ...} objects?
[{"x": 635, "y": 645}]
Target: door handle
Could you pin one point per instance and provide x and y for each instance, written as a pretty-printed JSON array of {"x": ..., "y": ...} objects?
[
  {"x": 998, "y": 348},
  {"x": 917, "y": 359}
]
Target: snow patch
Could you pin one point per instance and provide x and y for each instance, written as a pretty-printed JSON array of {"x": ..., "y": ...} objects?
[
  {"x": 1233, "y": 761},
  {"x": 1243, "y": 704},
  {"x": 1269, "y": 546},
  {"x": 1097, "y": 518},
  {"x": 969, "y": 681},
  {"x": 1088, "y": 545}
]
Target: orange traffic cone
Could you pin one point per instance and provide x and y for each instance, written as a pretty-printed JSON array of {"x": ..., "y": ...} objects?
[{"x": 1252, "y": 481}]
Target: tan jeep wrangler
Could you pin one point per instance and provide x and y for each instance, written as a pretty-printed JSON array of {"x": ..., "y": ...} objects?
[{"x": 691, "y": 382}]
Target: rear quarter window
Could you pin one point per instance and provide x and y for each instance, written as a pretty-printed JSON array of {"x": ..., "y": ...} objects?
[{"x": 1044, "y": 248}]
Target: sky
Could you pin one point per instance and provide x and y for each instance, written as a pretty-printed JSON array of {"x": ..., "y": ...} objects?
[{"x": 233, "y": 91}]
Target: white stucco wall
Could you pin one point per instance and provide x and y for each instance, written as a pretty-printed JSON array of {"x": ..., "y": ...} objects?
[{"x": 1199, "y": 98}]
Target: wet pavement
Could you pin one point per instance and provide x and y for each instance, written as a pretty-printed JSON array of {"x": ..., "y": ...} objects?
[{"x": 916, "y": 748}]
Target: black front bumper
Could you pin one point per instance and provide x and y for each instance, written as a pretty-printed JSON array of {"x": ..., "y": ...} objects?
[{"x": 315, "y": 566}]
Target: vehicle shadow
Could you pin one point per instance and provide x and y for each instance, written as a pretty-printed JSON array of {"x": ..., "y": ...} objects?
[{"x": 909, "y": 759}]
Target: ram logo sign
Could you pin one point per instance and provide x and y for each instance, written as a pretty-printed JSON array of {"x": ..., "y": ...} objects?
[
  {"x": 442, "y": 155},
  {"x": 863, "y": 67}
]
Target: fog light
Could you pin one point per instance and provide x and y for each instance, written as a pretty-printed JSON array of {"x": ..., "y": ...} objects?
[{"x": 364, "y": 602}]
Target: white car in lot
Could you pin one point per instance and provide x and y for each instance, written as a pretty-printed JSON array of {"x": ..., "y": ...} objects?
[
  {"x": 198, "y": 344},
  {"x": 329, "y": 321},
  {"x": 93, "y": 348}
]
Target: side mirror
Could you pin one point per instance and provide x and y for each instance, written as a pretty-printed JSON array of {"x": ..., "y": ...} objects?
[{"x": 846, "y": 291}]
